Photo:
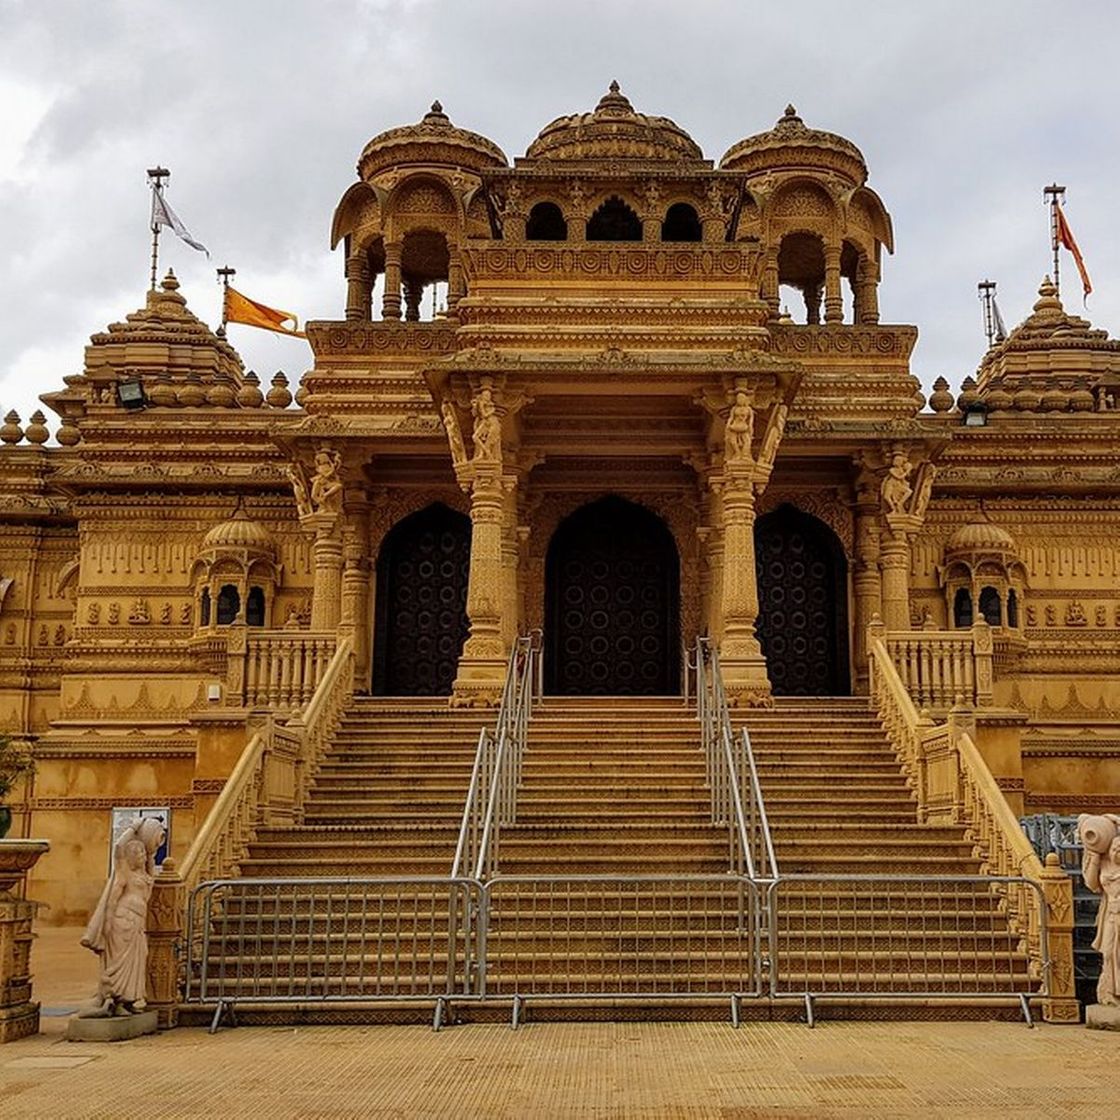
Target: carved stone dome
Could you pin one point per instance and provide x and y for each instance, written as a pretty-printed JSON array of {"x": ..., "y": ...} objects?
[
  {"x": 979, "y": 536},
  {"x": 432, "y": 140},
  {"x": 240, "y": 532},
  {"x": 790, "y": 146},
  {"x": 614, "y": 131}
]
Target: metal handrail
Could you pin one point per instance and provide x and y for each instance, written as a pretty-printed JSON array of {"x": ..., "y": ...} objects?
[
  {"x": 729, "y": 760},
  {"x": 496, "y": 775}
]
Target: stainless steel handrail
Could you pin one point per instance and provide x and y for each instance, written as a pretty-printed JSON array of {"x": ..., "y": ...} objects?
[
  {"x": 731, "y": 772},
  {"x": 496, "y": 775}
]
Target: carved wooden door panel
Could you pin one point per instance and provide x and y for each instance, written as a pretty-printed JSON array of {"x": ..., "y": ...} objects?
[
  {"x": 802, "y": 597},
  {"x": 612, "y": 614},
  {"x": 421, "y": 618}
]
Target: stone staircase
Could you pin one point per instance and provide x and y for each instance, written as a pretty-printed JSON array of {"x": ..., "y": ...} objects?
[
  {"x": 839, "y": 804},
  {"x": 613, "y": 879}
]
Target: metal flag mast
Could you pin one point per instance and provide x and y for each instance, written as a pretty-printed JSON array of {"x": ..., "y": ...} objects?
[
  {"x": 987, "y": 293},
  {"x": 224, "y": 273},
  {"x": 1051, "y": 195},
  {"x": 156, "y": 176}
]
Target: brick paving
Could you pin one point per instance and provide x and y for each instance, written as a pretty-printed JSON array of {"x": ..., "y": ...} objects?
[{"x": 578, "y": 1070}]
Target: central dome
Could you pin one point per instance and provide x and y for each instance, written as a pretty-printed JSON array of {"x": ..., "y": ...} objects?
[{"x": 614, "y": 131}]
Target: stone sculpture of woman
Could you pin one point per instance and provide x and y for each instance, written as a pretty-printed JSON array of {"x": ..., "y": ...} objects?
[
  {"x": 117, "y": 931},
  {"x": 1100, "y": 864},
  {"x": 326, "y": 486},
  {"x": 739, "y": 429},
  {"x": 895, "y": 490},
  {"x": 487, "y": 428}
]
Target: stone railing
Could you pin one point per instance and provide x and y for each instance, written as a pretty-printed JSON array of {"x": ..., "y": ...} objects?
[
  {"x": 953, "y": 785},
  {"x": 283, "y": 668},
  {"x": 938, "y": 667},
  {"x": 267, "y": 786}
]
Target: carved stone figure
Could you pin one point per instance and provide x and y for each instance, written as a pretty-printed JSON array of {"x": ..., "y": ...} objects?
[
  {"x": 165, "y": 614},
  {"x": 117, "y": 929},
  {"x": 114, "y": 613},
  {"x": 1100, "y": 864},
  {"x": 895, "y": 490},
  {"x": 1075, "y": 614},
  {"x": 93, "y": 614},
  {"x": 454, "y": 434},
  {"x": 773, "y": 437},
  {"x": 1051, "y": 615},
  {"x": 487, "y": 428},
  {"x": 326, "y": 486},
  {"x": 141, "y": 613},
  {"x": 923, "y": 489},
  {"x": 739, "y": 430},
  {"x": 185, "y": 613},
  {"x": 299, "y": 488}
]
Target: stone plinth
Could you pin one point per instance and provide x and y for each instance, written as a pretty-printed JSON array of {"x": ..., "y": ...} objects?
[
  {"x": 114, "y": 1028},
  {"x": 19, "y": 1016},
  {"x": 1101, "y": 1017}
]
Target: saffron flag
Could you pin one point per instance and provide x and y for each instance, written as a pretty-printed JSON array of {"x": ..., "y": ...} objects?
[
  {"x": 1063, "y": 235},
  {"x": 241, "y": 309},
  {"x": 163, "y": 215}
]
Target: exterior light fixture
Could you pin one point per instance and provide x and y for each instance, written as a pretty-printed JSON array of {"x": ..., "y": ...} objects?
[
  {"x": 976, "y": 415},
  {"x": 131, "y": 394}
]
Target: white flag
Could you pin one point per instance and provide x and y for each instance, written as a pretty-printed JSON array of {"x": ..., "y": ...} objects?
[
  {"x": 1001, "y": 330},
  {"x": 163, "y": 215}
]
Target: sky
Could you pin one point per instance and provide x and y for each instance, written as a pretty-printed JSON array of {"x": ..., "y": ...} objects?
[{"x": 963, "y": 111}]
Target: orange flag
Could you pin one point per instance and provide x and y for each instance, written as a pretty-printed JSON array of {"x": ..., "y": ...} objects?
[
  {"x": 242, "y": 309},
  {"x": 1063, "y": 235}
]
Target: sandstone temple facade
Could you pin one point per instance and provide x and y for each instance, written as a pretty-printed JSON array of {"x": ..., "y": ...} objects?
[{"x": 655, "y": 401}]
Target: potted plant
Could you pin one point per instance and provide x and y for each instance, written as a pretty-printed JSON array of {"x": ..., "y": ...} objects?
[{"x": 15, "y": 763}]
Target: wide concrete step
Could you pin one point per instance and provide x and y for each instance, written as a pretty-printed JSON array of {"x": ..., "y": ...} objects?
[{"x": 366, "y": 864}]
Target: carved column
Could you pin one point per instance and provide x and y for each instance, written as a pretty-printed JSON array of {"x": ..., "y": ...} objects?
[
  {"x": 812, "y": 295},
  {"x": 833, "y": 301},
  {"x": 866, "y": 580},
  {"x": 326, "y": 561},
  {"x": 744, "y": 668},
  {"x": 19, "y": 1015},
  {"x": 354, "y": 598},
  {"x": 456, "y": 288},
  {"x": 770, "y": 283},
  {"x": 391, "y": 300},
  {"x": 165, "y": 930},
  {"x": 358, "y": 287},
  {"x": 712, "y": 544},
  {"x": 867, "y": 291},
  {"x": 1057, "y": 889},
  {"x": 482, "y": 666},
  {"x": 511, "y": 556},
  {"x": 413, "y": 293},
  {"x": 895, "y": 561}
]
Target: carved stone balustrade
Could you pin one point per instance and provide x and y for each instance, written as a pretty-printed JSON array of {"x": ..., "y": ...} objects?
[
  {"x": 284, "y": 667},
  {"x": 939, "y": 666},
  {"x": 19, "y": 1016}
]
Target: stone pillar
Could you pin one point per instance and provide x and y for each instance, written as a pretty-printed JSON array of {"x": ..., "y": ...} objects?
[
  {"x": 482, "y": 666},
  {"x": 895, "y": 560},
  {"x": 19, "y": 1015},
  {"x": 1057, "y": 889},
  {"x": 326, "y": 560},
  {"x": 770, "y": 283},
  {"x": 456, "y": 287},
  {"x": 166, "y": 916},
  {"x": 813, "y": 305},
  {"x": 358, "y": 288},
  {"x": 867, "y": 292},
  {"x": 391, "y": 300},
  {"x": 712, "y": 551},
  {"x": 833, "y": 301},
  {"x": 511, "y": 556},
  {"x": 354, "y": 615},
  {"x": 413, "y": 293},
  {"x": 867, "y": 582},
  {"x": 744, "y": 668}
]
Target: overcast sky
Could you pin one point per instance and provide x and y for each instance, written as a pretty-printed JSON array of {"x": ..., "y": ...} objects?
[{"x": 963, "y": 110}]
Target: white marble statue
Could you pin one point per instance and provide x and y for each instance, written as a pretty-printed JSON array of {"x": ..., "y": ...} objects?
[
  {"x": 1100, "y": 864},
  {"x": 117, "y": 931}
]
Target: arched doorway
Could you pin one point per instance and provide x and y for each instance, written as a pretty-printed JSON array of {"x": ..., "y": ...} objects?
[
  {"x": 612, "y": 604},
  {"x": 803, "y": 604},
  {"x": 420, "y": 621}
]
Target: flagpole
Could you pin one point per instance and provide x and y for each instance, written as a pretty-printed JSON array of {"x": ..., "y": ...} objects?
[
  {"x": 1051, "y": 194},
  {"x": 156, "y": 176},
  {"x": 224, "y": 274},
  {"x": 986, "y": 290}
]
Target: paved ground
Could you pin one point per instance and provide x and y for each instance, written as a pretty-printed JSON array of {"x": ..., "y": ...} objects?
[{"x": 640, "y": 1070}]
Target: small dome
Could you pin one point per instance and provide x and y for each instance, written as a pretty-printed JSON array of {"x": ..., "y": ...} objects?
[
  {"x": 790, "y": 146},
  {"x": 614, "y": 131},
  {"x": 432, "y": 140},
  {"x": 980, "y": 536},
  {"x": 240, "y": 531}
]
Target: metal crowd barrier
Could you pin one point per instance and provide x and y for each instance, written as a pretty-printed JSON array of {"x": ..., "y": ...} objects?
[{"x": 602, "y": 937}]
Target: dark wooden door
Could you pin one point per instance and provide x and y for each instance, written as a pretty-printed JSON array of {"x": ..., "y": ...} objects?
[
  {"x": 802, "y": 598},
  {"x": 421, "y": 612},
  {"x": 612, "y": 610}
]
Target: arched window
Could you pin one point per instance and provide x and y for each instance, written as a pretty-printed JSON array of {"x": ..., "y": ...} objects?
[
  {"x": 254, "y": 607},
  {"x": 229, "y": 604},
  {"x": 962, "y": 608},
  {"x": 801, "y": 267},
  {"x": 990, "y": 607},
  {"x": 204, "y": 607},
  {"x": 614, "y": 221},
  {"x": 1012, "y": 609},
  {"x": 681, "y": 224},
  {"x": 546, "y": 223}
]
